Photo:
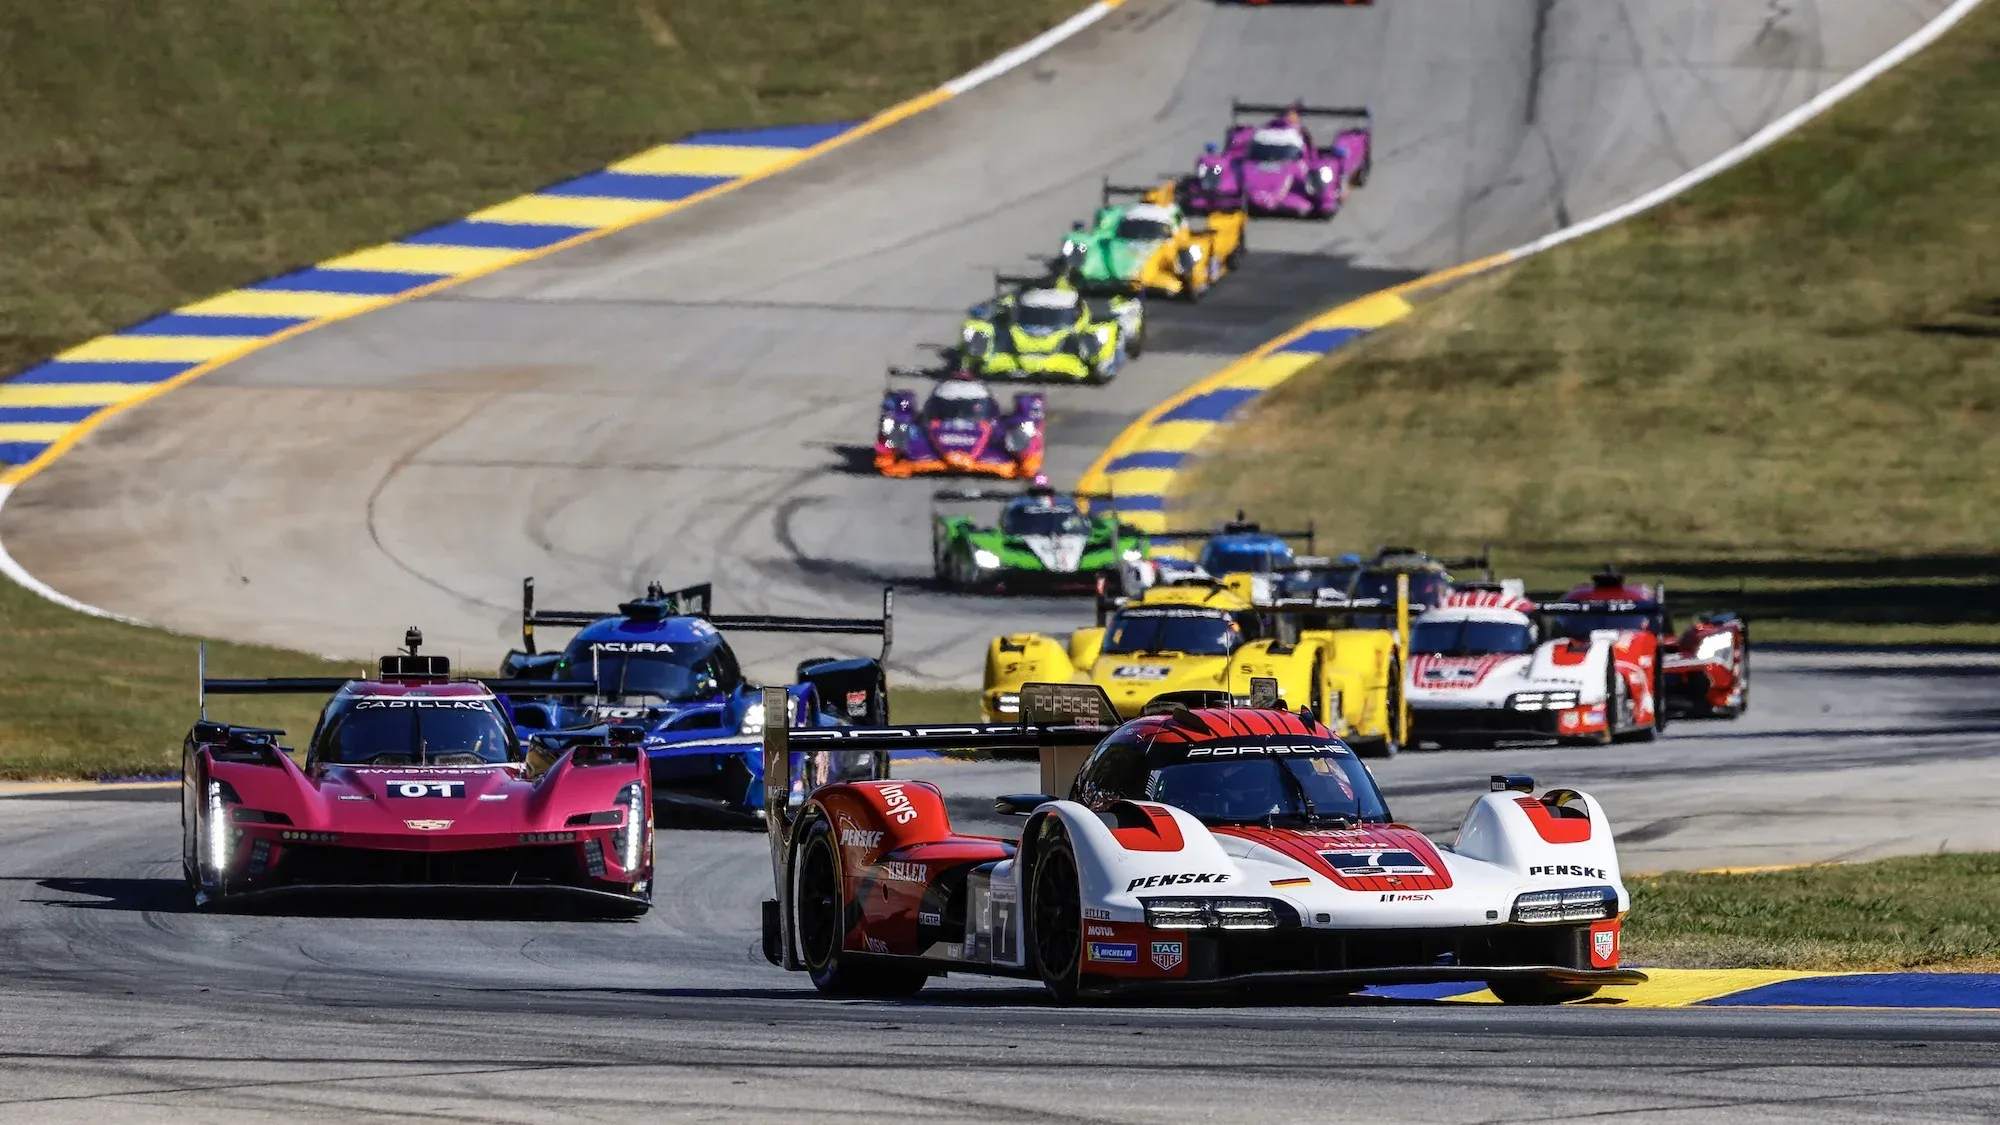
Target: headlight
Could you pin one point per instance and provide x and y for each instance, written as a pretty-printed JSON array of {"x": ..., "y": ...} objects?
[
  {"x": 888, "y": 427},
  {"x": 1020, "y": 437},
  {"x": 1584, "y": 904},
  {"x": 1210, "y": 914},
  {"x": 1211, "y": 178},
  {"x": 1132, "y": 554},
  {"x": 985, "y": 559},
  {"x": 218, "y": 830},
  {"x": 1325, "y": 174},
  {"x": 753, "y": 719},
  {"x": 1542, "y": 701},
  {"x": 1007, "y": 703},
  {"x": 631, "y": 839},
  {"x": 1714, "y": 648}
]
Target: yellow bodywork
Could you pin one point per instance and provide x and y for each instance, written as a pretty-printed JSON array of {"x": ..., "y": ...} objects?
[
  {"x": 1348, "y": 677},
  {"x": 1218, "y": 240}
]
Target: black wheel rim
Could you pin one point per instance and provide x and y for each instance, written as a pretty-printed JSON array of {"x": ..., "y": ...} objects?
[
  {"x": 1058, "y": 921},
  {"x": 818, "y": 905}
]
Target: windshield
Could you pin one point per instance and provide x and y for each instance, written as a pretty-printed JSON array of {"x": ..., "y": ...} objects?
[
  {"x": 1427, "y": 588},
  {"x": 1030, "y": 519},
  {"x": 1043, "y": 317},
  {"x": 1579, "y": 625},
  {"x": 1194, "y": 632},
  {"x": 1310, "y": 583},
  {"x": 1471, "y": 638},
  {"x": 1248, "y": 791},
  {"x": 961, "y": 409},
  {"x": 408, "y": 731},
  {"x": 1244, "y": 558},
  {"x": 1283, "y": 153},
  {"x": 1144, "y": 230},
  {"x": 675, "y": 672}
]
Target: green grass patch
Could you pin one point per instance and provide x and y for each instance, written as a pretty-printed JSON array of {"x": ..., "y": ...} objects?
[
  {"x": 1924, "y": 912},
  {"x": 915, "y": 706},
  {"x": 161, "y": 152},
  {"x": 1797, "y": 361}
]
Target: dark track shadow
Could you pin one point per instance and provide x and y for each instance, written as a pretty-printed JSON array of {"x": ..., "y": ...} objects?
[
  {"x": 170, "y": 896},
  {"x": 1271, "y": 292},
  {"x": 851, "y": 460},
  {"x": 159, "y": 896}
]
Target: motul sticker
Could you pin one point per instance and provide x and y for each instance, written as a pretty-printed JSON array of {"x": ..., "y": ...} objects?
[{"x": 1167, "y": 955}]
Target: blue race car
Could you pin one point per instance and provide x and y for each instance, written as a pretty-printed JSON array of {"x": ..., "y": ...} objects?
[
  {"x": 661, "y": 662},
  {"x": 1237, "y": 547}
]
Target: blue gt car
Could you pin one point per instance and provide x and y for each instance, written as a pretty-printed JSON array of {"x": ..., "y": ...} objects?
[{"x": 661, "y": 662}]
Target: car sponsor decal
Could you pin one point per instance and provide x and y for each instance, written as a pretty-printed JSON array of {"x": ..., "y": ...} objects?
[
  {"x": 428, "y": 825},
  {"x": 379, "y": 703},
  {"x": 1375, "y": 863},
  {"x": 1569, "y": 869},
  {"x": 493, "y": 796},
  {"x": 851, "y": 837},
  {"x": 1141, "y": 672},
  {"x": 875, "y": 944},
  {"x": 632, "y": 646},
  {"x": 1391, "y": 896},
  {"x": 1405, "y": 859},
  {"x": 1179, "y": 879},
  {"x": 1267, "y": 749},
  {"x": 857, "y": 704},
  {"x": 1432, "y": 671},
  {"x": 1167, "y": 955},
  {"x": 899, "y": 807},
  {"x": 1121, "y": 953},
  {"x": 906, "y": 872},
  {"x": 1291, "y": 882},
  {"x": 1604, "y": 941},
  {"x": 1094, "y": 913},
  {"x": 929, "y": 918},
  {"x": 449, "y": 789},
  {"x": 1100, "y": 931}
]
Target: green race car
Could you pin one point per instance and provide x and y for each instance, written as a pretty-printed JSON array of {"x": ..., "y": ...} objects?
[
  {"x": 1151, "y": 246},
  {"x": 1044, "y": 542},
  {"x": 1050, "y": 333}
]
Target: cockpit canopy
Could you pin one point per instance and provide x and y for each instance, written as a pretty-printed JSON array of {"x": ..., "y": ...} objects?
[
  {"x": 410, "y": 729},
  {"x": 1298, "y": 775}
]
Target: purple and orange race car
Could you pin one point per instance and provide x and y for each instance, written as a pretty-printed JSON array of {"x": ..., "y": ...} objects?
[
  {"x": 414, "y": 783},
  {"x": 1276, "y": 169},
  {"x": 959, "y": 429}
]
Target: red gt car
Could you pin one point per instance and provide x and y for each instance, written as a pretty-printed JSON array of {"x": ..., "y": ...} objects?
[
  {"x": 413, "y": 782},
  {"x": 1705, "y": 667}
]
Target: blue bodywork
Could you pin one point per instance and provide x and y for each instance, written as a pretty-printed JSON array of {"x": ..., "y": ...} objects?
[{"x": 674, "y": 676}]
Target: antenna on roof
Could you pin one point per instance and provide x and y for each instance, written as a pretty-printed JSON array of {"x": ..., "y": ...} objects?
[{"x": 413, "y": 639}]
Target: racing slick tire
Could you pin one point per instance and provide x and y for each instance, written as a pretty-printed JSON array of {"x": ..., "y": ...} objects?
[
  {"x": 1135, "y": 345},
  {"x": 822, "y": 912},
  {"x": 1515, "y": 990},
  {"x": 1235, "y": 257},
  {"x": 1055, "y": 913}
]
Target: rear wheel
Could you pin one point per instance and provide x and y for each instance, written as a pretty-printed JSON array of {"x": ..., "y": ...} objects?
[
  {"x": 822, "y": 910},
  {"x": 1517, "y": 990},
  {"x": 1055, "y": 914}
]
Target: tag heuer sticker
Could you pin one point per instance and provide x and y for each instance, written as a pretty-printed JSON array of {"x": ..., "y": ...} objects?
[
  {"x": 1605, "y": 943},
  {"x": 1167, "y": 955}
]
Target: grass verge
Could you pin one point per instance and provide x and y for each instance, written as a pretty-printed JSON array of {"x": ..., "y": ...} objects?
[
  {"x": 163, "y": 152},
  {"x": 158, "y": 153},
  {"x": 85, "y": 697},
  {"x": 1924, "y": 912},
  {"x": 1799, "y": 360}
]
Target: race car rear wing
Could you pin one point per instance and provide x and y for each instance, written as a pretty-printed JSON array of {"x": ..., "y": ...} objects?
[
  {"x": 1053, "y": 716},
  {"x": 1160, "y": 193},
  {"x": 694, "y": 601},
  {"x": 1238, "y": 109},
  {"x": 1242, "y": 526}
]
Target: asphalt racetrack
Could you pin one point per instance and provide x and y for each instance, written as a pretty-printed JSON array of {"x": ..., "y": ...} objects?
[{"x": 692, "y": 399}]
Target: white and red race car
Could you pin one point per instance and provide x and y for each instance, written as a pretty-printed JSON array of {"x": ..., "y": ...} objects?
[
  {"x": 1486, "y": 668},
  {"x": 1204, "y": 845},
  {"x": 1705, "y": 667}
]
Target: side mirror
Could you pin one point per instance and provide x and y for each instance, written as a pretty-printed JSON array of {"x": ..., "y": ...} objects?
[
  {"x": 1519, "y": 782},
  {"x": 1020, "y": 804}
]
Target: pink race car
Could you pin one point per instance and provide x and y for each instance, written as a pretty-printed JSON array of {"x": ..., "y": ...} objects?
[{"x": 1277, "y": 169}]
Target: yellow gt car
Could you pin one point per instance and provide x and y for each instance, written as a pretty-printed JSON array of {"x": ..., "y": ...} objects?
[
  {"x": 1151, "y": 246},
  {"x": 1206, "y": 635}
]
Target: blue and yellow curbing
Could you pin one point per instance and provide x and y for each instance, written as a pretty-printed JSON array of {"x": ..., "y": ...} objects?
[
  {"x": 47, "y": 408},
  {"x": 1761, "y": 988}
]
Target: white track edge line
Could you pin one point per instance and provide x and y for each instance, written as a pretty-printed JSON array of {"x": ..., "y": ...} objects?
[
  {"x": 1040, "y": 44},
  {"x": 1763, "y": 138},
  {"x": 20, "y": 575}
]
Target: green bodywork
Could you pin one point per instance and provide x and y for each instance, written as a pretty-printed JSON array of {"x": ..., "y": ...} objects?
[
  {"x": 1092, "y": 347},
  {"x": 1099, "y": 259},
  {"x": 957, "y": 539}
]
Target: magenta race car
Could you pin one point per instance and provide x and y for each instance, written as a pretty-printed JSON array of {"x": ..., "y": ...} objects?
[
  {"x": 960, "y": 428},
  {"x": 414, "y": 783},
  {"x": 1277, "y": 169}
]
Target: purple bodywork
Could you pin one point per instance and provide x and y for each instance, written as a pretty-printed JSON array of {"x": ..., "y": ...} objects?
[
  {"x": 959, "y": 429},
  {"x": 1276, "y": 169}
]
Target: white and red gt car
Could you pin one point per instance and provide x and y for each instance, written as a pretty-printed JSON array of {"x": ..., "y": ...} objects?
[
  {"x": 1705, "y": 669},
  {"x": 1486, "y": 668},
  {"x": 1203, "y": 845}
]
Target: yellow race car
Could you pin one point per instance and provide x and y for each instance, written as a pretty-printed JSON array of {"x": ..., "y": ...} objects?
[
  {"x": 1151, "y": 246},
  {"x": 1209, "y": 635}
]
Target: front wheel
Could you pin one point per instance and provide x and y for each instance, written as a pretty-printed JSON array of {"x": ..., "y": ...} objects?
[
  {"x": 1516, "y": 990},
  {"x": 1055, "y": 914},
  {"x": 823, "y": 914}
]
